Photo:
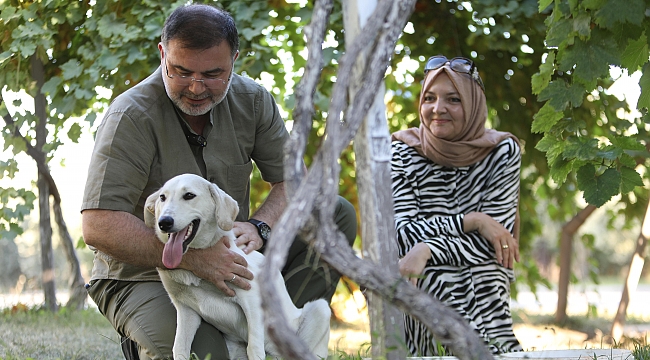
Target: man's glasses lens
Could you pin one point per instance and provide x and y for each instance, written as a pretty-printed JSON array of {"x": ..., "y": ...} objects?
[{"x": 210, "y": 83}]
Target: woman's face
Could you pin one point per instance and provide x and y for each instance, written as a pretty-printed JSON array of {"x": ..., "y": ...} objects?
[{"x": 441, "y": 109}]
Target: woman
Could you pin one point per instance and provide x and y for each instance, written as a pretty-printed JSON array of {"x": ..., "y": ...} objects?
[{"x": 455, "y": 190}]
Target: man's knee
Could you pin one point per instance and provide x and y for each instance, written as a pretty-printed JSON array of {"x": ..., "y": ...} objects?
[{"x": 345, "y": 217}]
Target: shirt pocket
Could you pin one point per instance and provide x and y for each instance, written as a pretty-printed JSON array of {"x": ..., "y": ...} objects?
[{"x": 238, "y": 183}]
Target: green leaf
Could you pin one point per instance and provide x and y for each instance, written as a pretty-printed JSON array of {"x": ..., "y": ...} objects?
[
  {"x": 108, "y": 26},
  {"x": 8, "y": 13},
  {"x": 581, "y": 148},
  {"x": 559, "y": 32},
  {"x": 591, "y": 58},
  {"x": 635, "y": 53},
  {"x": 644, "y": 82},
  {"x": 541, "y": 79},
  {"x": 560, "y": 169},
  {"x": 109, "y": 61},
  {"x": 543, "y": 4},
  {"x": 598, "y": 189},
  {"x": 5, "y": 56},
  {"x": 613, "y": 12},
  {"x": 582, "y": 25},
  {"x": 545, "y": 118},
  {"x": 74, "y": 133},
  {"x": 560, "y": 95},
  {"x": 71, "y": 69},
  {"x": 51, "y": 86},
  {"x": 627, "y": 143},
  {"x": 629, "y": 180},
  {"x": 627, "y": 160}
]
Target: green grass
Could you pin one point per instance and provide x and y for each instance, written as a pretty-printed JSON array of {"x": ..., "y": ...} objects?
[
  {"x": 31, "y": 333},
  {"x": 66, "y": 335}
]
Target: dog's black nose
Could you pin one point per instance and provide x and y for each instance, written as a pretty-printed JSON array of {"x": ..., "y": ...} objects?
[{"x": 166, "y": 223}]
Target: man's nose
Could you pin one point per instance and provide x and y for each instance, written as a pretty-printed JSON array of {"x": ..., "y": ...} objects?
[{"x": 197, "y": 86}]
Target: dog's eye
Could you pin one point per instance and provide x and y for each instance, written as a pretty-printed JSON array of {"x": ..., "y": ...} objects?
[
  {"x": 188, "y": 196},
  {"x": 163, "y": 197}
]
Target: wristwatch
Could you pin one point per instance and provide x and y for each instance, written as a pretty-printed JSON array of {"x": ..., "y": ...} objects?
[{"x": 263, "y": 229}]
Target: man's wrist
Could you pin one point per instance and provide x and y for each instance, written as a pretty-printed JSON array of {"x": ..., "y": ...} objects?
[{"x": 263, "y": 229}]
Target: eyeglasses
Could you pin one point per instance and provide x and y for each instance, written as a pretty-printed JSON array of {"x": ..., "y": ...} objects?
[
  {"x": 458, "y": 64},
  {"x": 209, "y": 82}
]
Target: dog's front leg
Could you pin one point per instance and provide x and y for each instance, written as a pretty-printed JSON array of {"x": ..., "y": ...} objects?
[
  {"x": 187, "y": 322},
  {"x": 255, "y": 321}
]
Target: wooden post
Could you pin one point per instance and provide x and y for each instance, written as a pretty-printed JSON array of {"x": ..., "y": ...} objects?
[{"x": 372, "y": 149}]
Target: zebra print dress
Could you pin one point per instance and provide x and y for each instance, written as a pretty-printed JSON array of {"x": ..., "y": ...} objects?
[{"x": 430, "y": 201}]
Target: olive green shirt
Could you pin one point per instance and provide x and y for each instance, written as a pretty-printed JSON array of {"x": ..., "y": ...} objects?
[{"x": 141, "y": 144}]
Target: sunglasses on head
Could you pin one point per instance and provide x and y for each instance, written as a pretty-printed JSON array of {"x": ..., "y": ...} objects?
[{"x": 458, "y": 64}]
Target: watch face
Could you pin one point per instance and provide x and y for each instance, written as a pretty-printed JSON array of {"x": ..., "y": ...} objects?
[{"x": 265, "y": 231}]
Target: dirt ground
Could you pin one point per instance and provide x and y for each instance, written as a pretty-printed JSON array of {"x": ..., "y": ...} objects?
[{"x": 533, "y": 329}]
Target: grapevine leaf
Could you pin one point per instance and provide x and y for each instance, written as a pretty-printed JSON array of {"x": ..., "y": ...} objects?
[
  {"x": 560, "y": 169},
  {"x": 598, "y": 189},
  {"x": 629, "y": 179},
  {"x": 644, "y": 82},
  {"x": 560, "y": 95},
  {"x": 545, "y": 118},
  {"x": 543, "y": 4},
  {"x": 559, "y": 32},
  {"x": 635, "y": 53},
  {"x": 627, "y": 143},
  {"x": 591, "y": 58},
  {"x": 581, "y": 148},
  {"x": 71, "y": 69},
  {"x": 74, "y": 133},
  {"x": 541, "y": 79},
  {"x": 612, "y": 12}
]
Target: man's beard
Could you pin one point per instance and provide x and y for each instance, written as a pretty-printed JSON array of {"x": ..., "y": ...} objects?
[{"x": 196, "y": 110}]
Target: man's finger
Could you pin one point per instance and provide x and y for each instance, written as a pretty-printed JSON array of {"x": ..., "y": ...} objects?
[
  {"x": 241, "y": 283},
  {"x": 225, "y": 288}
]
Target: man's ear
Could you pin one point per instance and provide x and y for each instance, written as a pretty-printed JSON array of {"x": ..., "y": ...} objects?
[
  {"x": 226, "y": 208},
  {"x": 150, "y": 210}
]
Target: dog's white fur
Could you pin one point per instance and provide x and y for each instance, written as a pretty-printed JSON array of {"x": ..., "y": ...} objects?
[{"x": 181, "y": 201}]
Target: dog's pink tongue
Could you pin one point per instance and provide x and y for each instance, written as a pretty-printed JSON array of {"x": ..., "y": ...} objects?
[{"x": 173, "y": 251}]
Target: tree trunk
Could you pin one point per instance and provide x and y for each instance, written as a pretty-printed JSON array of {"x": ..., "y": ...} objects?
[
  {"x": 44, "y": 224},
  {"x": 78, "y": 294},
  {"x": 632, "y": 279},
  {"x": 48, "y": 187},
  {"x": 372, "y": 148},
  {"x": 566, "y": 253},
  {"x": 47, "y": 255}
]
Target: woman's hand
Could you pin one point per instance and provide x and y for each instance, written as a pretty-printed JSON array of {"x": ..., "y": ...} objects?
[
  {"x": 505, "y": 245},
  {"x": 412, "y": 264}
]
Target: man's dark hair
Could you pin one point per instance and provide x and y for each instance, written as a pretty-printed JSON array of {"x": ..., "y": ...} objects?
[{"x": 200, "y": 27}]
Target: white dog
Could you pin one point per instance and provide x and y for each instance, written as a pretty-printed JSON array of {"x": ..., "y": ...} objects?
[{"x": 190, "y": 212}]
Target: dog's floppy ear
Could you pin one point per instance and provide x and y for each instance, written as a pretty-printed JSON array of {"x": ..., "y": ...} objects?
[
  {"x": 226, "y": 208},
  {"x": 150, "y": 210}
]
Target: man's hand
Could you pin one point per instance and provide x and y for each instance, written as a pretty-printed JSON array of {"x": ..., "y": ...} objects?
[
  {"x": 218, "y": 265},
  {"x": 248, "y": 238},
  {"x": 412, "y": 264}
]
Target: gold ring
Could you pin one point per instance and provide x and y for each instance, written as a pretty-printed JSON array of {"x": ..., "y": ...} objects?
[
  {"x": 505, "y": 246},
  {"x": 233, "y": 278}
]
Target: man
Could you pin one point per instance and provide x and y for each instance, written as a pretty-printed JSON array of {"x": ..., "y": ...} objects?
[{"x": 192, "y": 115}]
